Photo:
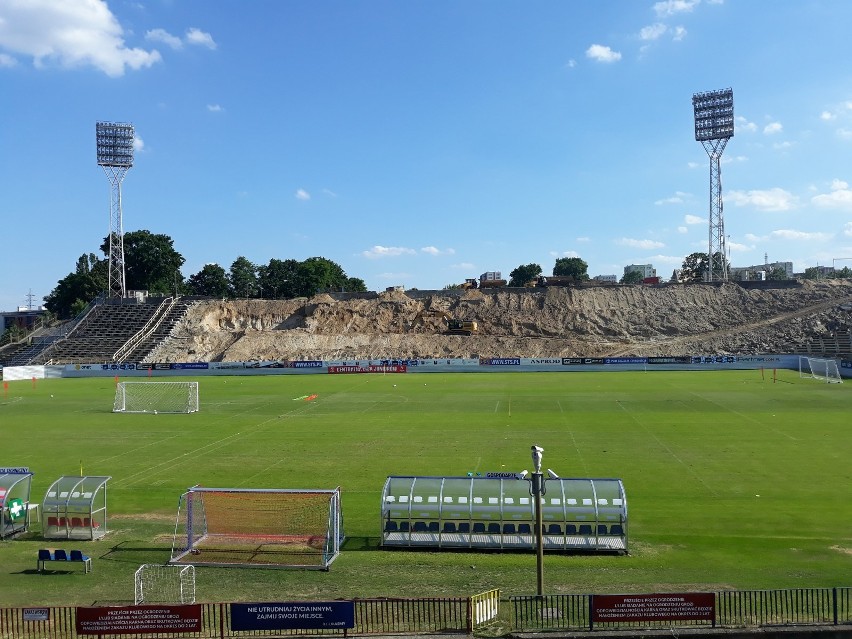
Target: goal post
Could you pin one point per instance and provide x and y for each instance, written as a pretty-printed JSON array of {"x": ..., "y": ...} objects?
[
  {"x": 264, "y": 528},
  {"x": 825, "y": 370},
  {"x": 154, "y": 583},
  {"x": 156, "y": 397}
]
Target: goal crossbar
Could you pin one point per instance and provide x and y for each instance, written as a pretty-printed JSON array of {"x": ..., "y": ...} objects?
[{"x": 825, "y": 370}]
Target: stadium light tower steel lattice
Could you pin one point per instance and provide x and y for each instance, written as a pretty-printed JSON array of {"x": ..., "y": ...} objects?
[
  {"x": 115, "y": 155},
  {"x": 714, "y": 126}
]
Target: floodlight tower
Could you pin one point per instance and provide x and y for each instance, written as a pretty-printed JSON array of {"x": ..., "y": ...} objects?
[
  {"x": 714, "y": 126},
  {"x": 115, "y": 155}
]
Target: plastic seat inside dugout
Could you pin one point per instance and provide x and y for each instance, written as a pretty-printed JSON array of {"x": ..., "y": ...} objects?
[{"x": 75, "y": 507}]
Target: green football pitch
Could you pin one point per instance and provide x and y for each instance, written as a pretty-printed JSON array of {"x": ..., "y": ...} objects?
[{"x": 733, "y": 480}]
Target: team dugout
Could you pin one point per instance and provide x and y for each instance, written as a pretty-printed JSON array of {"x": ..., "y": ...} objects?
[
  {"x": 498, "y": 513},
  {"x": 75, "y": 507}
]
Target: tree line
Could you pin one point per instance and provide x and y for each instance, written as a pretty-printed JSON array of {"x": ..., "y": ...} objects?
[{"x": 152, "y": 264}]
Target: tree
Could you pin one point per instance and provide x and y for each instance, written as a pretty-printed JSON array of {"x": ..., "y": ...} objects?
[
  {"x": 777, "y": 273},
  {"x": 524, "y": 274},
  {"x": 74, "y": 291},
  {"x": 844, "y": 273},
  {"x": 632, "y": 277},
  {"x": 150, "y": 262},
  {"x": 318, "y": 274},
  {"x": 356, "y": 285},
  {"x": 242, "y": 278},
  {"x": 571, "y": 267},
  {"x": 277, "y": 279},
  {"x": 694, "y": 267},
  {"x": 210, "y": 280}
]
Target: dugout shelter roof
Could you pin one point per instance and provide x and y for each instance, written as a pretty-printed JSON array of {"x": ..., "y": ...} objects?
[{"x": 75, "y": 507}]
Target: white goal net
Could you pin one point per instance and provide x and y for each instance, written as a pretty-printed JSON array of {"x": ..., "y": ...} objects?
[
  {"x": 825, "y": 370},
  {"x": 165, "y": 584},
  {"x": 156, "y": 397}
]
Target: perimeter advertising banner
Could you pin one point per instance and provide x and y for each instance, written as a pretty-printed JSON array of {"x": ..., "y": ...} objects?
[
  {"x": 295, "y": 615},
  {"x": 343, "y": 370},
  {"x": 698, "y": 606},
  {"x": 138, "y": 619}
]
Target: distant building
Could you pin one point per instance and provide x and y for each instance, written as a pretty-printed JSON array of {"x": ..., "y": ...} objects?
[
  {"x": 24, "y": 318},
  {"x": 606, "y": 278},
  {"x": 760, "y": 271},
  {"x": 645, "y": 270}
]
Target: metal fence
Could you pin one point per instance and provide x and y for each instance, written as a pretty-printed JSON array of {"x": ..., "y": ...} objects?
[
  {"x": 733, "y": 609},
  {"x": 372, "y": 616}
]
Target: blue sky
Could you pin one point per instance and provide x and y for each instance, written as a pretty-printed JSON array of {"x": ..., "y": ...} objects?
[{"x": 422, "y": 142}]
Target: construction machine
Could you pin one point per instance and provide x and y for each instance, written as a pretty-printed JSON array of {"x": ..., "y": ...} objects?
[{"x": 453, "y": 326}]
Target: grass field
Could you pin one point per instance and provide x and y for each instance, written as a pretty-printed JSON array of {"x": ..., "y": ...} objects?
[{"x": 732, "y": 481}]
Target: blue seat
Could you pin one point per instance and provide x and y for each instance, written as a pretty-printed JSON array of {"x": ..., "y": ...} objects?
[
  {"x": 602, "y": 529},
  {"x": 585, "y": 529},
  {"x": 60, "y": 555},
  {"x": 554, "y": 529},
  {"x": 508, "y": 529},
  {"x": 479, "y": 528},
  {"x": 493, "y": 528},
  {"x": 570, "y": 529},
  {"x": 433, "y": 526},
  {"x": 390, "y": 526},
  {"x": 616, "y": 529},
  {"x": 524, "y": 529},
  {"x": 43, "y": 556},
  {"x": 403, "y": 526},
  {"x": 419, "y": 526},
  {"x": 77, "y": 555},
  {"x": 464, "y": 527},
  {"x": 449, "y": 527}
]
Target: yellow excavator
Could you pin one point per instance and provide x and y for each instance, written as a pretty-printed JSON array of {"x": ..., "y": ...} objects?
[{"x": 454, "y": 326}]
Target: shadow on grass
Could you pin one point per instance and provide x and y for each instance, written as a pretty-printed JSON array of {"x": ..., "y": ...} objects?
[
  {"x": 361, "y": 543},
  {"x": 128, "y": 552}
]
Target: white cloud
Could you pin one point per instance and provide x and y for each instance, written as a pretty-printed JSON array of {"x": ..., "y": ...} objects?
[
  {"x": 666, "y": 259},
  {"x": 692, "y": 165},
  {"x": 847, "y": 229},
  {"x": 138, "y": 144},
  {"x": 463, "y": 266},
  {"x": 840, "y": 196},
  {"x": 564, "y": 254},
  {"x": 70, "y": 35},
  {"x": 782, "y": 146},
  {"x": 772, "y": 128},
  {"x": 571, "y": 63},
  {"x": 694, "y": 219},
  {"x": 671, "y": 7},
  {"x": 640, "y": 244},
  {"x": 7, "y": 60},
  {"x": 751, "y": 237},
  {"x": 739, "y": 248},
  {"x": 677, "y": 198},
  {"x": 682, "y": 229},
  {"x": 215, "y": 108},
  {"x": 678, "y": 34},
  {"x": 387, "y": 251},
  {"x": 302, "y": 194},
  {"x": 744, "y": 125},
  {"x": 329, "y": 193},
  {"x": 789, "y": 234},
  {"x": 432, "y": 250},
  {"x": 846, "y": 134},
  {"x": 163, "y": 36},
  {"x": 602, "y": 53},
  {"x": 652, "y": 31},
  {"x": 583, "y": 239},
  {"x": 764, "y": 200},
  {"x": 827, "y": 116},
  {"x": 200, "y": 38}
]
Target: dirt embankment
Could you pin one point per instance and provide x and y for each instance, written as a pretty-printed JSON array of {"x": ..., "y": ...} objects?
[{"x": 551, "y": 322}]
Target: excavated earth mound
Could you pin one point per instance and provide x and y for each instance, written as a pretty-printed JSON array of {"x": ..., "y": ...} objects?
[{"x": 674, "y": 319}]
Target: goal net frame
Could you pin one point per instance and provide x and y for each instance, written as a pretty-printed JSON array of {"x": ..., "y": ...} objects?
[
  {"x": 825, "y": 370},
  {"x": 258, "y": 528},
  {"x": 155, "y": 583},
  {"x": 156, "y": 397}
]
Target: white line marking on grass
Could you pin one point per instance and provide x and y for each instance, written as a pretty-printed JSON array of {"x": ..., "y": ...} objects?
[
  {"x": 746, "y": 417},
  {"x": 11, "y": 401},
  {"x": 497, "y": 406},
  {"x": 573, "y": 439},
  {"x": 667, "y": 449},
  {"x": 134, "y": 450}
]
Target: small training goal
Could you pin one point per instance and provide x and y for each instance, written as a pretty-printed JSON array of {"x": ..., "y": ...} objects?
[
  {"x": 267, "y": 528},
  {"x": 824, "y": 370},
  {"x": 164, "y": 584},
  {"x": 156, "y": 397}
]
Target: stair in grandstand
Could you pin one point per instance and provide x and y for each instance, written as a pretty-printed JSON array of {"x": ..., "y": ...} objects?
[
  {"x": 837, "y": 345},
  {"x": 161, "y": 331}
]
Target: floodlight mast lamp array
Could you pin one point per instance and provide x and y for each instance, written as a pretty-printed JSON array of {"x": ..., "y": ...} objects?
[
  {"x": 115, "y": 155},
  {"x": 714, "y": 126}
]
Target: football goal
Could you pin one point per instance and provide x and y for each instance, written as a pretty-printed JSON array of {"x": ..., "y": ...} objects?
[
  {"x": 164, "y": 584},
  {"x": 825, "y": 370},
  {"x": 267, "y": 528},
  {"x": 156, "y": 397}
]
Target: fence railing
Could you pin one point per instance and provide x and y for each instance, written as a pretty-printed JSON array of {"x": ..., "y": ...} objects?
[
  {"x": 735, "y": 608},
  {"x": 372, "y": 616}
]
